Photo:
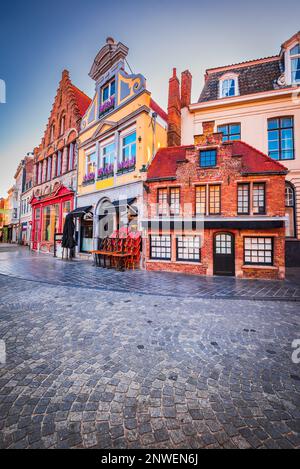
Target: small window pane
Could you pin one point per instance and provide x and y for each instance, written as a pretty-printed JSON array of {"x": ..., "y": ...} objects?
[
  {"x": 201, "y": 200},
  {"x": 162, "y": 201},
  {"x": 258, "y": 250},
  {"x": 174, "y": 201},
  {"x": 188, "y": 248},
  {"x": 208, "y": 158},
  {"x": 160, "y": 247},
  {"x": 214, "y": 199}
]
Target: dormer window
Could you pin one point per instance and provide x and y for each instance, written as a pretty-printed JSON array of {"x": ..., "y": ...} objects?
[
  {"x": 108, "y": 91},
  {"x": 228, "y": 86},
  {"x": 295, "y": 63}
]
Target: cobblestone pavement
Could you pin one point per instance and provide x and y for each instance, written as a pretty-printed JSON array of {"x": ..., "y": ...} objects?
[
  {"x": 89, "y": 368},
  {"x": 21, "y": 263}
]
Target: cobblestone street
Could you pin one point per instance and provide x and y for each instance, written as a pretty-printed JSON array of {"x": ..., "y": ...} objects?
[{"x": 89, "y": 367}]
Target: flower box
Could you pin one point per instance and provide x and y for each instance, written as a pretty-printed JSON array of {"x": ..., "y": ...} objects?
[
  {"x": 107, "y": 106},
  {"x": 105, "y": 173},
  {"x": 88, "y": 179},
  {"x": 126, "y": 166}
]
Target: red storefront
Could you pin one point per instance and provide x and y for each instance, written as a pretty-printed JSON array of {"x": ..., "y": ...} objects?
[{"x": 48, "y": 216}]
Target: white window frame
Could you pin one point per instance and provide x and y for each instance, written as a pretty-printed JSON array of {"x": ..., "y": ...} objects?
[
  {"x": 109, "y": 90},
  {"x": 103, "y": 144},
  {"x": 87, "y": 153},
  {"x": 224, "y": 78},
  {"x": 122, "y": 138},
  {"x": 288, "y": 64}
]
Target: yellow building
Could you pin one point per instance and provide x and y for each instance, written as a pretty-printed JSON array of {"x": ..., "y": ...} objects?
[{"x": 120, "y": 133}]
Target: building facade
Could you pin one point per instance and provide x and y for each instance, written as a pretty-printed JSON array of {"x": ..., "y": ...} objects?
[
  {"x": 2, "y": 217},
  {"x": 215, "y": 208},
  {"x": 55, "y": 165},
  {"x": 25, "y": 199},
  {"x": 120, "y": 133},
  {"x": 5, "y": 220},
  {"x": 257, "y": 101}
]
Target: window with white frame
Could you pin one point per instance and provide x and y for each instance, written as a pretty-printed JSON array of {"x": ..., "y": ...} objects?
[
  {"x": 214, "y": 192},
  {"x": 108, "y": 90},
  {"x": 259, "y": 196},
  {"x": 174, "y": 201},
  {"x": 107, "y": 154},
  {"x": 228, "y": 86},
  {"x": 129, "y": 147},
  {"x": 258, "y": 250},
  {"x": 243, "y": 198},
  {"x": 200, "y": 200},
  {"x": 188, "y": 248},
  {"x": 295, "y": 63},
  {"x": 162, "y": 200},
  {"x": 290, "y": 210},
  {"x": 90, "y": 163},
  {"x": 160, "y": 247}
]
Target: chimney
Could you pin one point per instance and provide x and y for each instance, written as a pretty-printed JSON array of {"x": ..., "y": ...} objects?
[
  {"x": 208, "y": 127},
  {"x": 186, "y": 88},
  {"x": 174, "y": 112}
]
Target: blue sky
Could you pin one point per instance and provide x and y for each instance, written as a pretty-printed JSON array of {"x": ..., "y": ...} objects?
[{"x": 40, "y": 38}]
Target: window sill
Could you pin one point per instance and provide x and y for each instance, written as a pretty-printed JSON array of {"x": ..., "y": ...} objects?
[
  {"x": 125, "y": 171},
  {"x": 255, "y": 266},
  {"x": 164, "y": 261}
]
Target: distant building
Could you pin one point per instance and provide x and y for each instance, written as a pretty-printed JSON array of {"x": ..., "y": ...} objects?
[{"x": 25, "y": 199}]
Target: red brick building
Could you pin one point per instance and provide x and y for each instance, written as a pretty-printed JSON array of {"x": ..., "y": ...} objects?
[
  {"x": 232, "y": 200},
  {"x": 55, "y": 165}
]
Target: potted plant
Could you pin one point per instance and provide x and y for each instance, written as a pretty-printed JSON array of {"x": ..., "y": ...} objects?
[
  {"x": 106, "y": 172},
  {"x": 125, "y": 166},
  {"x": 89, "y": 178}
]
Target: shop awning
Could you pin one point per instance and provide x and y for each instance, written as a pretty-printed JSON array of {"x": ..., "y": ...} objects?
[
  {"x": 78, "y": 212},
  {"x": 121, "y": 206}
]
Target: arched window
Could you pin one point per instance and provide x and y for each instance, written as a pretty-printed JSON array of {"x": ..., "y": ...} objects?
[
  {"x": 52, "y": 130},
  {"x": 62, "y": 125},
  {"x": 290, "y": 210}
]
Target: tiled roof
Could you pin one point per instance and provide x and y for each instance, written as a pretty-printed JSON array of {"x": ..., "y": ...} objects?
[
  {"x": 254, "y": 161},
  {"x": 83, "y": 101},
  {"x": 165, "y": 162},
  {"x": 156, "y": 108},
  {"x": 253, "y": 77}
]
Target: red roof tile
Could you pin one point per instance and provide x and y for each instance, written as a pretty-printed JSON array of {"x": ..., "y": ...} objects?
[
  {"x": 83, "y": 101},
  {"x": 254, "y": 161},
  {"x": 156, "y": 108},
  {"x": 164, "y": 164}
]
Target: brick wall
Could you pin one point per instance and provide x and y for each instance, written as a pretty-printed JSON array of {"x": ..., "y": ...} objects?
[{"x": 228, "y": 173}]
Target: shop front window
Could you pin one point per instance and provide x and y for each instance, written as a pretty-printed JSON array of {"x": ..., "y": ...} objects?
[
  {"x": 66, "y": 210},
  {"x": 50, "y": 222},
  {"x": 37, "y": 224},
  {"x": 86, "y": 236}
]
